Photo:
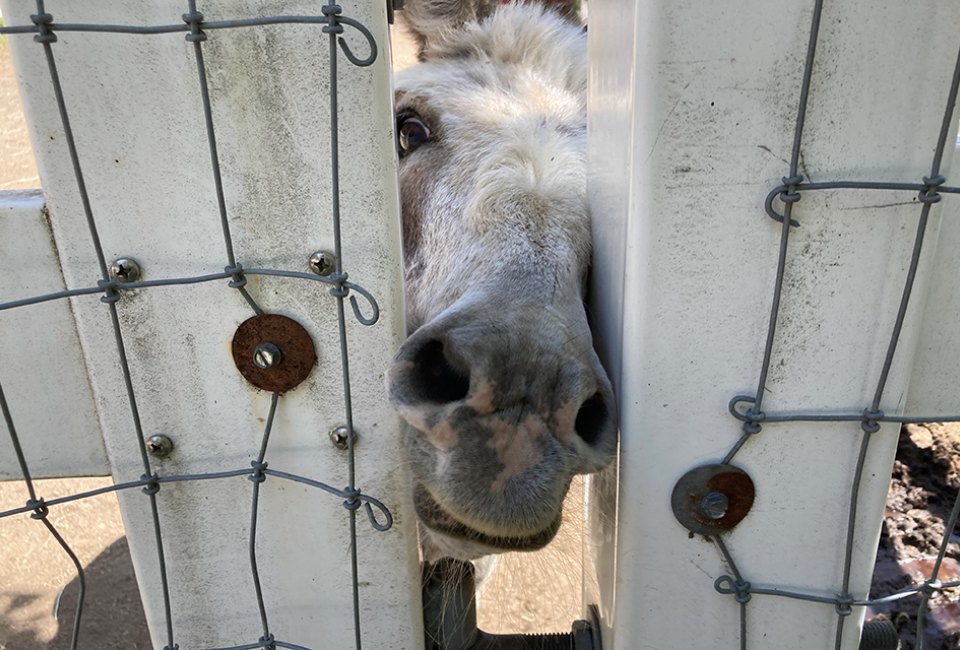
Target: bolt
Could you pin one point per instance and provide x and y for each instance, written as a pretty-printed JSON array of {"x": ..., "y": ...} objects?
[
  {"x": 159, "y": 446},
  {"x": 125, "y": 269},
  {"x": 323, "y": 262},
  {"x": 340, "y": 437},
  {"x": 267, "y": 355},
  {"x": 715, "y": 505}
]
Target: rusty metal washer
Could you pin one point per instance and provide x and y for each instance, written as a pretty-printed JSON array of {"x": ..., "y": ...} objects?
[
  {"x": 712, "y": 499},
  {"x": 298, "y": 353}
]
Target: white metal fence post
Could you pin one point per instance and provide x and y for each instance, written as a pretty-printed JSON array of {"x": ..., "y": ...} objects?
[
  {"x": 693, "y": 112},
  {"x": 137, "y": 116}
]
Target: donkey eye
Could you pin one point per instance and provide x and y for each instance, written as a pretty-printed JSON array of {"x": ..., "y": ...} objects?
[{"x": 411, "y": 133}]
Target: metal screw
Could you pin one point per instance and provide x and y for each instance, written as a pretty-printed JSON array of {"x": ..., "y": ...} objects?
[
  {"x": 159, "y": 446},
  {"x": 715, "y": 505},
  {"x": 340, "y": 437},
  {"x": 125, "y": 269},
  {"x": 267, "y": 355},
  {"x": 323, "y": 262}
]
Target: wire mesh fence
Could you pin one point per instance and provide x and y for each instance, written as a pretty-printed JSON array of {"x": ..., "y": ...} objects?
[
  {"x": 116, "y": 279},
  {"x": 749, "y": 408}
]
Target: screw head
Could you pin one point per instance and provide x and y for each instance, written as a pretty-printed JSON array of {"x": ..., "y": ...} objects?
[
  {"x": 340, "y": 437},
  {"x": 267, "y": 355},
  {"x": 715, "y": 505},
  {"x": 125, "y": 269},
  {"x": 323, "y": 262},
  {"x": 159, "y": 446}
]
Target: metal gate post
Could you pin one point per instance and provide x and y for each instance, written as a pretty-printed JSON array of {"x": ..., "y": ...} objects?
[{"x": 710, "y": 125}]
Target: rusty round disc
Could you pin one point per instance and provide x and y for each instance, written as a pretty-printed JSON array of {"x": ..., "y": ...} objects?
[
  {"x": 297, "y": 358},
  {"x": 692, "y": 488}
]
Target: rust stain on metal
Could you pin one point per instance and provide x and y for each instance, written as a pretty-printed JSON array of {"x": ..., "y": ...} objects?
[
  {"x": 738, "y": 486},
  {"x": 298, "y": 353},
  {"x": 690, "y": 490}
]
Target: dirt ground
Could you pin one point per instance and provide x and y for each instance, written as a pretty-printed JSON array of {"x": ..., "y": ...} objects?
[
  {"x": 926, "y": 478},
  {"x": 17, "y": 168}
]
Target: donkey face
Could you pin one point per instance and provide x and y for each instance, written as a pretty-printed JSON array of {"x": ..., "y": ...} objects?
[{"x": 504, "y": 397}]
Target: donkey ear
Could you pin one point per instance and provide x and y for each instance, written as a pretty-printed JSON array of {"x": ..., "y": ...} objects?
[{"x": 429, "y": 21}]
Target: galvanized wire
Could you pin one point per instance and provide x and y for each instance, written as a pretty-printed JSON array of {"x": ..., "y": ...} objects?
[
  {"x": 748, "y": 408},
  {"x": 331, "y": 18}
]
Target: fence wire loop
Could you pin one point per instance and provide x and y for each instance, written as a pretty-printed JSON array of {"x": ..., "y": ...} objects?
[
  {"x": 238, "y": 279},
  {"x": 341, "y": 289},
  {"x": 39, "y": 507},
  {"x": 752, "y": 428},
  {"x": 790, "y": 193},
  {"x": 332, "y": 12},
  {"x": 352, "y": 495},
  {"x": 929, "y": 192},
  {"x": 779, "y": 192},
  {"x": 339, "y": 281},
  {"x": 844, "y": 605},
  {"x": 731, "y": 586},
  {"x": 111, "y": 290},
  {"x": 374, "y": 307},
  {"x": 368, "y": 505},
  {"x": 335, "y": 27},
  {"x": 195, "y": 20},
  {"x": 268, "y": 641},
  {"x": 43, "y": 22},
  {"x": 750, "y": 415},
  {"x": 257, "y": 476},
  {"x": 151, "y": 483},
  {"x": 870, "y": 422}
]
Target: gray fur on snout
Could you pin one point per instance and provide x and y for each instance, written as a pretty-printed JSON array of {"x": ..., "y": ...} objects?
[{"x": 503, "y": 395}]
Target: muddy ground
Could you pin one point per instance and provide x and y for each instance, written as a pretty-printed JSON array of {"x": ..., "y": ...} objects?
[{"x": 926, "y": 480}]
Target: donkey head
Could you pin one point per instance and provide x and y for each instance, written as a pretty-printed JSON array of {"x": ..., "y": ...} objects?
[{"x": 504, "y": 397}]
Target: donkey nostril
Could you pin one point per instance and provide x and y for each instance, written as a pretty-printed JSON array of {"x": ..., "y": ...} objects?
[
  {"x": 592, "y": 419},
  {"x": 434, "y": 378}
]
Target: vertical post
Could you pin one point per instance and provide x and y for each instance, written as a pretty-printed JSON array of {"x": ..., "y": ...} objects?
[
  {"x": 693, "y": 121},
  {"x": 145, "y": 135}
]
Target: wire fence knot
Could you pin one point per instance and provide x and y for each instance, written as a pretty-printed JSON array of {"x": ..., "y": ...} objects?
[
  {"x": 844, "y": 604},
  {"x": 151, "y": 484},
  {"x": 111, "y": 291},
  {"x": 870, "y": 423},
  {"x": 752, "y": 428},
  {"x": 258, "y": 475},
  {"x": 43, "y": 22},
  {"x": 238, "y": 279},
  {"x": 743, "y": 592},
  {"x": 753, "y": 419},
  {"x": 339, "y": 288},
  {"x": 332, "y": 12},
  {"x": 40, "y": 509},
  {"x": 790, "y": 194},
  {"x": 267, "y": 641},
  {"x": 195, "y": 20},
  {"x": 930, "y": 587},
  {"x": 734, "y": 586},
  {"x": 929, "y": 192},
  {"x": 352, "y": 502}
]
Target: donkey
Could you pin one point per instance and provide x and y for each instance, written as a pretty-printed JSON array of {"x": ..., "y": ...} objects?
[{"x": 503, "y": 396}]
